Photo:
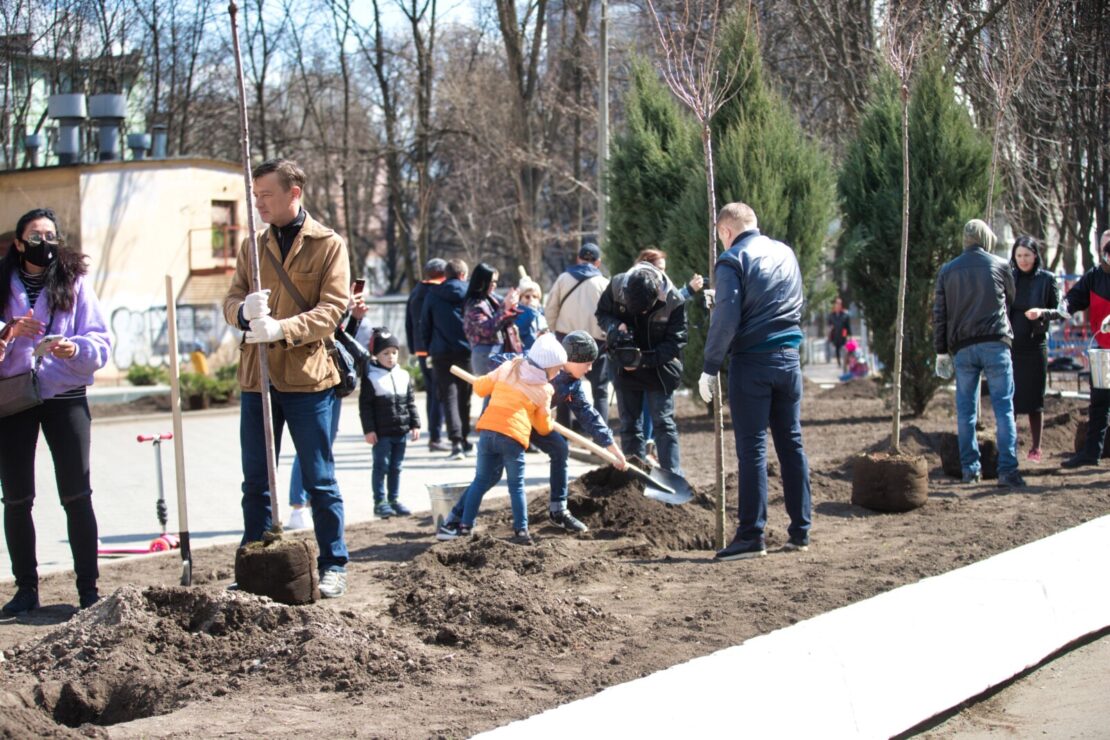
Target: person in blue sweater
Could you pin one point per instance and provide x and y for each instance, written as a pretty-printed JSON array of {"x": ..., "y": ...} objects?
[
  {"x": 530, "y": 321},
  {"x": 757, "y": 322},
  {"x": 582, "y": 352}
]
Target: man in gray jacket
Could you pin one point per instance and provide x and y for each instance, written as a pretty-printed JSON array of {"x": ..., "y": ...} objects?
[{"x": 971, "y": 321}]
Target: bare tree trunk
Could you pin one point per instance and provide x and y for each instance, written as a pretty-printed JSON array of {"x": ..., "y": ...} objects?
[
  {"x": 718, "y": 402},
  {"x": 256, "y": 276},
  {"x": 899, "y": 332},
  {"x": 994, "y": 166}
]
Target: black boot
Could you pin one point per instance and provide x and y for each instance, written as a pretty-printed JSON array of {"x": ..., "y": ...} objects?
[
  {"x": 26, "y": 599},
  {"x": 88, "y": 596}
]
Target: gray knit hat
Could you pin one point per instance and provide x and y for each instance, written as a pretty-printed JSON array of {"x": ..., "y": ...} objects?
[
  {"x": 977, "y": 232},
  {"x": 580, "y": 347}
]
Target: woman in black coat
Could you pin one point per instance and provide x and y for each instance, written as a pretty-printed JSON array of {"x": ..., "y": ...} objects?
[{"x": 1035, "y": 288}]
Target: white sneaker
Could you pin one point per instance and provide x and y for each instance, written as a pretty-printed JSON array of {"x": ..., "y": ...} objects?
[
  {"x": 333, "y": 584},
  {"x": 298, "y": 519}
]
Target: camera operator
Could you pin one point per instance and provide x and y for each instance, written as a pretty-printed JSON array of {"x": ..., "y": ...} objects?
[{"x": 644, "y": 319}]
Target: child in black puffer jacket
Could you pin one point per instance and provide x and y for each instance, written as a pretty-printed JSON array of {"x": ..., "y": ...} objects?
[{"x": 387, "y": 407}]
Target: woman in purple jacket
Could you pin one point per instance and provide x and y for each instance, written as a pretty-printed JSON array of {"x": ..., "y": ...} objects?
[{"x": 43, "y": 293}]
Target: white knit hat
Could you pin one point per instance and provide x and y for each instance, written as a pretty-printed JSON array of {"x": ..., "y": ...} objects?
[{"x": 547, "y": 352}]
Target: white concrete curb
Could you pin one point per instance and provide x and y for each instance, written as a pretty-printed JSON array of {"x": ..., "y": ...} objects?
[{"x": 871, "y": 669}]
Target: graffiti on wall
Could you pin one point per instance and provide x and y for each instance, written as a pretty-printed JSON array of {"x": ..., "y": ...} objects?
[{"x": 140, "y": 338}]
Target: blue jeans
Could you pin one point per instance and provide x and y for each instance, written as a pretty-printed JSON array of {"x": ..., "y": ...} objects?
[
  {"x": 765, "y": 390},
  {"x": 389, "y": 455},
  {"x": 433, "y": 407},
  {"x": 496, "y": 454},
  {"x": 555, "y": 446},
  {"x": 309, "y": 417},
  {"x": 631, "y": 403},
  {"x": 993, "y": 360},
  {"x": 297, "y": 495}
]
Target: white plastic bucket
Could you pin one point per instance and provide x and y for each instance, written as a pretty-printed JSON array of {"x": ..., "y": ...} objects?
[
  {"x": 1100, "y": 368},
  {"x": 442, "y": 498},
  {"x": 1099, "y": 360}
]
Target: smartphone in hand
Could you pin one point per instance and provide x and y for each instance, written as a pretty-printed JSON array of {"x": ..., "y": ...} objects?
[
  {"x": 359, "y": 286},
  {"x": 47, "y": 343},
  {"x": 7, "y": 331}
]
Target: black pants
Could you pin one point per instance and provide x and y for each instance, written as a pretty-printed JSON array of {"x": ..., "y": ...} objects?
[
  {"x": 1097, "y": 415},
  {"x": 66, "y": 424},
  {"x": 454, "y": 394}
]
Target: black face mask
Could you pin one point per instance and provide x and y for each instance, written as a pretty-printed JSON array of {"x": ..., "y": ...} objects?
[{"x": 41, "y": 254}]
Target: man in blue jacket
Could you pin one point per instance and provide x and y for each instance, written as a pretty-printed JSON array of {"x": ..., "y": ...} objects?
[
  {"x": 441, "y": 324},
  {"x": 582, "y": 352},
  {"x": 757, "y": 321},
  {"x": 434, "y": 274}
]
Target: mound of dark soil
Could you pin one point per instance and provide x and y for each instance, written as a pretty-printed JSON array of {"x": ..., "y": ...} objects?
[
  {"x": 1056, "y": 435},
  {"x": 141, "y": 653},
  {"x": 855, "y": 389},
  {"x": 612, "y": 504},
  {"x": 484, "y": 589},
  {"x": 18, "y": 722},
  {"x": 948, "y": 447},
  {"x": 1079, "y": 441}
]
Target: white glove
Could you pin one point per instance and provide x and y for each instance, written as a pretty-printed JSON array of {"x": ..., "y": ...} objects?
[
  {"x": 265, "y": 329},
  {"x": 944, "y": 367},
  {"x": 1105, "y": 328},
  {"x": 256, "y": 305},
  {"x": 707, "y": 386}
]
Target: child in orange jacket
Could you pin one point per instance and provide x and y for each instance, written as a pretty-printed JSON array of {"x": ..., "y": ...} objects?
[{"x": 520, "y": 400}]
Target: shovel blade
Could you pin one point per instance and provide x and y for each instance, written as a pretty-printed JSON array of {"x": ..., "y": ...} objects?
[
  {"x": 682, "y": 491},
  {"x": 679, "y": 494}
]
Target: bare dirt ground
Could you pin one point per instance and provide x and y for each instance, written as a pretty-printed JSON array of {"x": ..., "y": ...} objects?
[{"x": 454, "y": 638}]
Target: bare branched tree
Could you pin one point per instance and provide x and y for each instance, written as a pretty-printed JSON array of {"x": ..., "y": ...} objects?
[
  {"x": 690, "y": 39},
  {"x": 1016, "y": 41},
  {"x": 903, "y": 43}
]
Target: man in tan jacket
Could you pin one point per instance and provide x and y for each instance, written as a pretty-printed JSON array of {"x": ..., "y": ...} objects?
[
  {"x": 571, "y": 304},
  {"x": 302, "y": 375}
]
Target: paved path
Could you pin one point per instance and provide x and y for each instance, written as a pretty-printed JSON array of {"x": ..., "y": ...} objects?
[{"x": 125, "y": 485}]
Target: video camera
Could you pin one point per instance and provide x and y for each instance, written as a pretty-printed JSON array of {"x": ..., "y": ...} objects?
[{"x": 624, "y": 350}]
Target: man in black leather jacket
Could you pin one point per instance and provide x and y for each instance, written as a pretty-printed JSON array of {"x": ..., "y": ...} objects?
[
  {"x": 756, "y": 328},
  {"x": 644, "y": 319},
  {"x": 971, "y": 321}
]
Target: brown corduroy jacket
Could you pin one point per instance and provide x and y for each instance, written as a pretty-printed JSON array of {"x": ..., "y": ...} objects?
[{"x": 317, "y": 265}]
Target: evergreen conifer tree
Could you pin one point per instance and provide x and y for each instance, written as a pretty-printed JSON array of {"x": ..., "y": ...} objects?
[
  {"x": 649, "y": 165},
  {"x": 949, "y": 172},
  {"x": 764, "y": 159}
]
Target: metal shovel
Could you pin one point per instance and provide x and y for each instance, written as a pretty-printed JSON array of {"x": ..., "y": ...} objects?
[{"x": 659, "y": 484}]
